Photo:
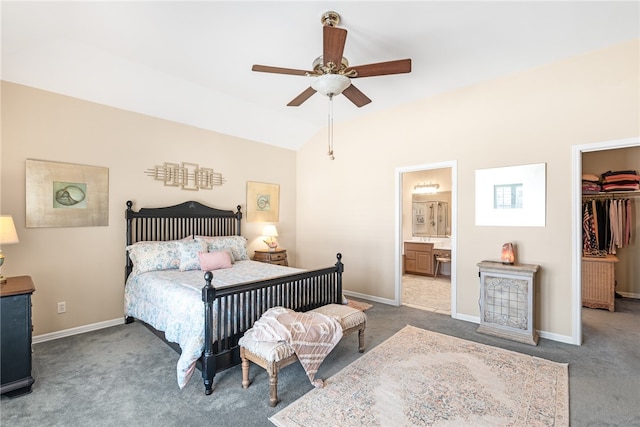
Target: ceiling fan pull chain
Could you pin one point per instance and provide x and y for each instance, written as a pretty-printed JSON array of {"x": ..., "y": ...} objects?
[{"x": 331, "y": 156}]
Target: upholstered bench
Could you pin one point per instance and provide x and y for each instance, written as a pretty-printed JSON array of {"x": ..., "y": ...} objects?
[{"x": 273, "y": 356}]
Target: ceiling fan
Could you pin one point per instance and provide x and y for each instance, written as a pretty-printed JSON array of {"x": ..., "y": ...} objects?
[{"x": 332, "y": 73}]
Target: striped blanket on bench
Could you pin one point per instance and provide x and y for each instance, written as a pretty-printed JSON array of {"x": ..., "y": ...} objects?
[{"x": 312, "y": 336}]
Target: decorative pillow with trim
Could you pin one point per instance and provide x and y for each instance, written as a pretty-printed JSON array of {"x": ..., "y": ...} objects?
[
  {"x": 214, "y": 260},
  {"x": 237, "y": 244},
  {"x": 189, "y": 251},
  {"x": 152, "y": 256}
]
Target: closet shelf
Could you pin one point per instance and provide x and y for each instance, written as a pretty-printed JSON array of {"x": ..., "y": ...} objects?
[{"x": 611, "y": 194}]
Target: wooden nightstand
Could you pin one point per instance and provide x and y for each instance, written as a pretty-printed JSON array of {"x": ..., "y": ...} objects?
[
  {"x": 278, "y": 257},
  {"x": 15, "y": 336}
]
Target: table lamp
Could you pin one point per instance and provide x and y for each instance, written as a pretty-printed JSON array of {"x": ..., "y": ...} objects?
[
  {"x": 271, "y": 232},
  {"x": 8, "y": 236}
]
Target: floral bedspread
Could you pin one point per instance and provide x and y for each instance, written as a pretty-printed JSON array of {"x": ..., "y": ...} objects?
[{"x": 171, "y": 301}]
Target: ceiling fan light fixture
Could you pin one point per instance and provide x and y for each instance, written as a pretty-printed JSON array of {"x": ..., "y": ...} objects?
[
  {"x": 319, "y": 67},
  {"x": 330, "y": 84}
]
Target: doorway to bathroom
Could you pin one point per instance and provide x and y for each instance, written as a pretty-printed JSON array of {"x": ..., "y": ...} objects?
[{"x": 426, "y": 237}]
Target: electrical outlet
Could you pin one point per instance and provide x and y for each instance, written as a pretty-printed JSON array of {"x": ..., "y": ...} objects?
[{"x": 62, "y": 307}]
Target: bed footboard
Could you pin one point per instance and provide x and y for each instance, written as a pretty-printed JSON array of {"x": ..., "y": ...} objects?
[{"x": 236, "y": 309}]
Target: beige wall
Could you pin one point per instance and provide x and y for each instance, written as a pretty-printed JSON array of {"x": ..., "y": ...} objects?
[
  {"x": 84, "y": 266},
  {"x": 348, "y": 204}
]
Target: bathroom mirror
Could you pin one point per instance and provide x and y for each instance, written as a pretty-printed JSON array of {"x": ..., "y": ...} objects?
[{"x": 430, "y": 214}]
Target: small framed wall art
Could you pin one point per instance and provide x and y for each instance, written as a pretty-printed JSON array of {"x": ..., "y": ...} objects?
[
  {"x": 66, "y": 195},
  {"x": 263, "y": 202}
]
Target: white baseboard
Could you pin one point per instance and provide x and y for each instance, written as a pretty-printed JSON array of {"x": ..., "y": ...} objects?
[
  {"x": 472, "y": 319},
  {"x": 458, "y": 316},
  {"x": 629, "y": 295},
  {"x": 467, "y": 318},
  {"x": 370, "y": 298},
  {"x": 543, "y": 334},
  {"x": 556, "y": 337},
  {"x": 79, "y": 330}
]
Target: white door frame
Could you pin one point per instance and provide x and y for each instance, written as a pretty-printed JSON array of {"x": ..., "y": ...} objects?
[
  {"x": 576, "y": 234},
  {"x": 453, "y": 165}
]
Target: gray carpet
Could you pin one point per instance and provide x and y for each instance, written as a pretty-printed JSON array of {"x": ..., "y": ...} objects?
[{"x": 124, "y": 375}]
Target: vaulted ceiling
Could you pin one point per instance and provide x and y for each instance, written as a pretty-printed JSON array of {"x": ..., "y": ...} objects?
[{"x": 190, "y": 62}]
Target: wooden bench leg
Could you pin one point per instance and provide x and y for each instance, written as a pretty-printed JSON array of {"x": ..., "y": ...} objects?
[
  {"x": 245, "y": 369},
  {"x": 361, "y": 340},
  {"x": 273, "y": 384}
]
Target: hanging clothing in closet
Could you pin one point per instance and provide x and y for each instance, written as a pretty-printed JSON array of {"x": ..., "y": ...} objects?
[{"x": 606, "y": 225}]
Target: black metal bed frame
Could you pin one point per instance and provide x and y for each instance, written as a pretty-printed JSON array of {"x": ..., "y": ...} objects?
[{"x": 239, "y": 306}]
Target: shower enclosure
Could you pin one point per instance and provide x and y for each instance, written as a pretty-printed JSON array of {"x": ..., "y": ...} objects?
[{"x": 430, "y": 217}]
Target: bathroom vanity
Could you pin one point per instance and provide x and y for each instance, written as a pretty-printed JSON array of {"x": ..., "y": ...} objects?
[
  {"x": 418, "y": 258},
  {"x": 420, "y": 254}
]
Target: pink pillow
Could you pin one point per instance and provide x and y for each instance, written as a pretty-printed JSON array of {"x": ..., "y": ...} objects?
[{"x": 214, "y": 260}]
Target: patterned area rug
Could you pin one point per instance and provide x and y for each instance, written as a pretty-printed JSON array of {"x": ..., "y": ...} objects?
[
  {"x": 422, "y": 378},
  {"x": 362, "y": 306}
]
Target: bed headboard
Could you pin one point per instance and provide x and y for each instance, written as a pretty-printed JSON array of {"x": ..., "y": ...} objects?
[{"x": 177, "y": 222}]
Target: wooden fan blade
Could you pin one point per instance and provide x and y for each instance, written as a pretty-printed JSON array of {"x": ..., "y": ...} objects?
[
  {"x": 355, "y": 96},
  {"x": 278, "y": 70},
  {"x": 383, "y": 68},
  {"x": 295, "y": 102},
  {"x": 333, "y": 40}
]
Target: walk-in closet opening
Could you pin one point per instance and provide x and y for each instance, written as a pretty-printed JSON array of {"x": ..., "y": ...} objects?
[{"x": 607, "y": 226}]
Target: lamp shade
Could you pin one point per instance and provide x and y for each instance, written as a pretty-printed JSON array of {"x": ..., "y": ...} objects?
[
  {"x": 8, "y": 234},
  {"x": 330, "y": 84},
  {"x": 270, "y": 231}
]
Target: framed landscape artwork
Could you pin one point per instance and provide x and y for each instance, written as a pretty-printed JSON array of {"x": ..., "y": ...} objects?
[{"x": 66, "y": 195}]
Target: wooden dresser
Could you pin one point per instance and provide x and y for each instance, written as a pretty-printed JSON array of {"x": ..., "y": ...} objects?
[
  {"x": 598, "y": 282},
  {"x": 15, "y": 336},
  {"x": 278, "y": 257}
]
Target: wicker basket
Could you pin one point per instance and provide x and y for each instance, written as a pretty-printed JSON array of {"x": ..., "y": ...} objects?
[{"x": 598, "y": 282}]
